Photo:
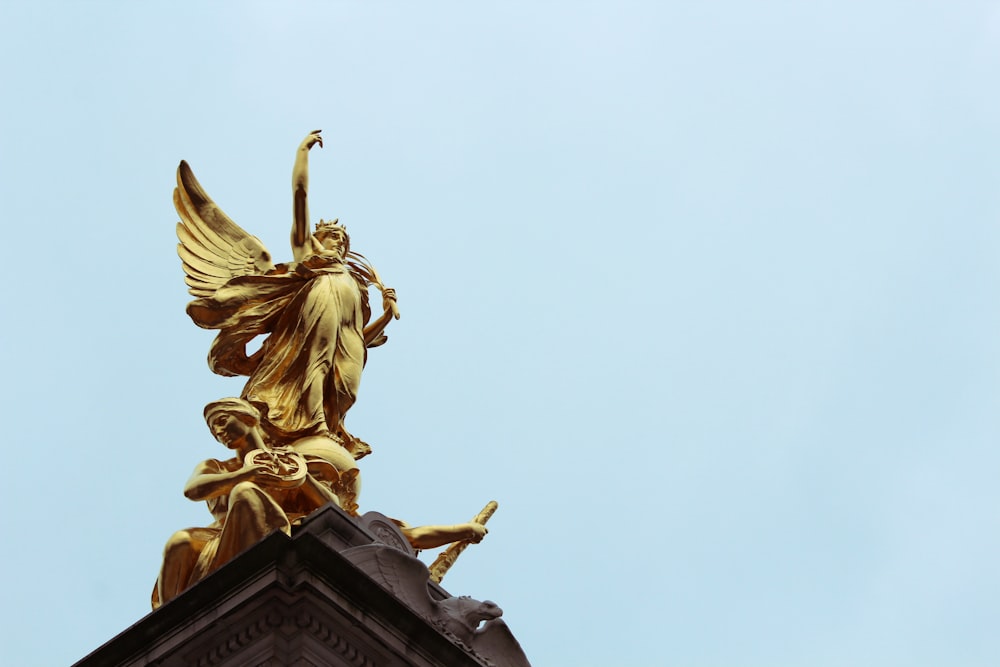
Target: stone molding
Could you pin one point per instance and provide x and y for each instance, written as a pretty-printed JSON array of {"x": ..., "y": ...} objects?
[{"x": 302, "y": 601}]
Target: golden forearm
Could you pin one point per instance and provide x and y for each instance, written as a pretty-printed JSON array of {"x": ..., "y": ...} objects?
[
  {"x": 301, "y": 237},
  {"x": 211, "y": 485},
  {"x": 377, "y": 326},
  {"x": 317, "y": 492}
]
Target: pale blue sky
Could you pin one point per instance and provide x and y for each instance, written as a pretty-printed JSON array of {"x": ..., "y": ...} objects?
[{"x": 705, "y": 294}]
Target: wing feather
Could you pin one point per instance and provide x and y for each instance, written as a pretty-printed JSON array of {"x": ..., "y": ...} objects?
[
  {"x": 198, "y": 289},
  {"x": 196, "y": 225},
  {"x": 213, "y": 249},
  {"x": 192, "y": 244},
  {"x": 204, "y": 267},
  {"x": 219, "y": 228},
  {"x": 204, "y": 281},
  {"x": 201, "y": 278}
]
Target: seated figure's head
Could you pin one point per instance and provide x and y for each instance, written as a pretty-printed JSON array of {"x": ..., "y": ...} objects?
[
  {"x": 333, "y": 237},
  {"x": 231, "y": 419}
]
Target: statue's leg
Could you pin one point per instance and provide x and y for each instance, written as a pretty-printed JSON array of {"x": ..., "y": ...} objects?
[
  {"x": 342, "y": 384},
  {"x": 253, "y": 515},
  {"x": 179, "y": 558}
]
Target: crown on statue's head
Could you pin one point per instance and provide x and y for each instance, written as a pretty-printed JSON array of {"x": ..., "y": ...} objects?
[{"x": 326, "y": 226}]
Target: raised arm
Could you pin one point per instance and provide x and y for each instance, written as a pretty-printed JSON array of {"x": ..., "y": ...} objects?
[{"x": 301, "y": 235}]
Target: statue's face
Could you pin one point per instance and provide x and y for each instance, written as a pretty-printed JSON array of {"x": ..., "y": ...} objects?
[
  {"x": 229, "y": 429},
  {"x": 333, "y": 241}
]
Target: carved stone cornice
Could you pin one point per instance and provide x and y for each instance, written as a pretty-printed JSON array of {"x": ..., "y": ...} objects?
[{"x": 334, "y": 594}]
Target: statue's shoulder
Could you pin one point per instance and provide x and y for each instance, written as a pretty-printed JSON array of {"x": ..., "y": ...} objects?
[{"x": 215, "y": 465}]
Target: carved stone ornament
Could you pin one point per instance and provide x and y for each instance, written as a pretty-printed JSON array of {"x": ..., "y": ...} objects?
[{"x": 328, "y": 595}]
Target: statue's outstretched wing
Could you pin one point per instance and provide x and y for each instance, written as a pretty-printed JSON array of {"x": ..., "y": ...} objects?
[{"x": 212, "y": 247}]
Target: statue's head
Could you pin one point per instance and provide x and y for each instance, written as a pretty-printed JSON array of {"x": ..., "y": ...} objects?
[
  {"x": 333, "y": 236},
  {"x": 231, "y": 419}
]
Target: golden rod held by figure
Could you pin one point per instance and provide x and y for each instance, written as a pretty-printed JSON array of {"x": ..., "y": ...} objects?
[{"x": 447, "y": 558}]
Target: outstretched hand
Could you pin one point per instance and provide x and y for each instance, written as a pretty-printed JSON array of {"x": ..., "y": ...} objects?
[{"x": 312, "y": 139}]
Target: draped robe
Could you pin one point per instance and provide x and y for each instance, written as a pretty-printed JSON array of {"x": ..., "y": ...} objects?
[{"x": 305, "y": 376}]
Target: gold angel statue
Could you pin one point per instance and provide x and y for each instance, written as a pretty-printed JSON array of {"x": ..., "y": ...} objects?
[{"x": 314, "y": 310}]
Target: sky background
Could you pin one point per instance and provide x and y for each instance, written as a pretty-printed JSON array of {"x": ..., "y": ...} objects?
[{"x": 705, "y": 294}]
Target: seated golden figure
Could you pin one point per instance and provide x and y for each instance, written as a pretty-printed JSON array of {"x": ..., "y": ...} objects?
[
  {"x": 263, "y": 489},
  {"x": 260, "y": 490}
]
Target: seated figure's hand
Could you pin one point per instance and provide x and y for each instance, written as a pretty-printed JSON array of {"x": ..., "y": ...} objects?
[
  {"x": 263, "y": 477},
  {"x": 475, "y": 532},
  {"x": 429, "y": 537}
]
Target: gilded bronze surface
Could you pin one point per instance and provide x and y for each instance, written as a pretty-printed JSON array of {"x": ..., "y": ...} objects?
[
  {"x": 447, "y": 558},
  {"x": 291, "y": 453},
  {"x": 314, "y": 310},
  {"x": 262, "y": 488}
]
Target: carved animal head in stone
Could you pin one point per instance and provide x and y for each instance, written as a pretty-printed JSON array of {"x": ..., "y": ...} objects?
[{"x": 470, "y": 613}]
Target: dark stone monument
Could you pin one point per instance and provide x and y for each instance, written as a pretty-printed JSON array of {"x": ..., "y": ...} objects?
[{"x": 340, "y": 591}]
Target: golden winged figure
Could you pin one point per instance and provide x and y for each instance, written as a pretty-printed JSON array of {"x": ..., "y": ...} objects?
[{"x": 314, "y": 311}]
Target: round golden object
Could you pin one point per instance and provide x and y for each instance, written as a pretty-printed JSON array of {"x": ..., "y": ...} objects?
[{"x": 287, "y": 465}]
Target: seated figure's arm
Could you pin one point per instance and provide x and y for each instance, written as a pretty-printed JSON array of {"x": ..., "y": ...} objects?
[
  {"x": 428, "y": 537},
  {"x": 318, "y": 493},
  {"x": 211, "y": 479}
]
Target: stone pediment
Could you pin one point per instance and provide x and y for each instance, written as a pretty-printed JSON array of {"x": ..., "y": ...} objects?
[{"x": 339, "y": 591}]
